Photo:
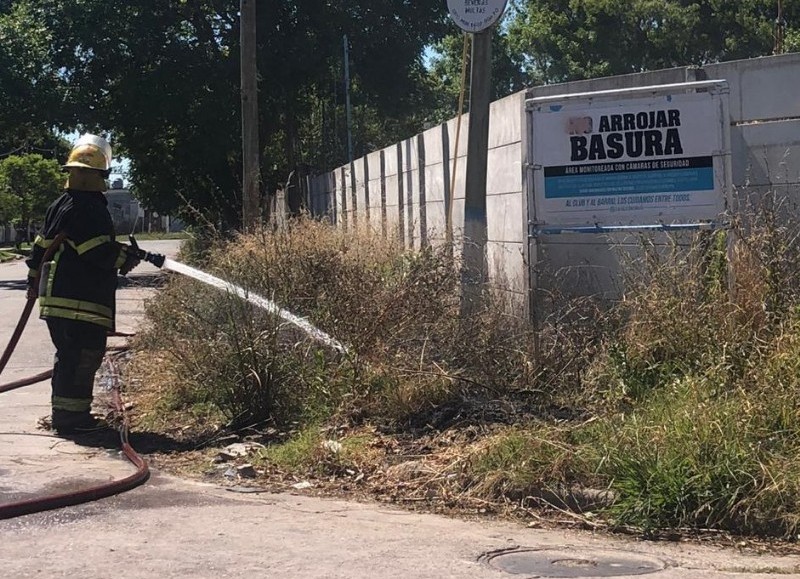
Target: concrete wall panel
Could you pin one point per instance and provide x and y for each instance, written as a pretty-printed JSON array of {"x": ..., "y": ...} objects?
[
  {"x": 374, "y": 191},
  {"x": 452, "y": 131},
  {"x": 374, "y": 167},
  {"x": 436, "y": 219},
  {"x": 504, "y": 170},
  {"x": 340, "y": 176},
  {"x": 458, "y": 217},
  {"x": 435, "y": 188},
  {"x": 390, "y": 160},
  {"x": 392, "y": 191},
  {"x": 410, "y": 156},
  {"x": 361, "y": 203},
  {"x": 766, "y": 153},
  {"x": 506, "y": 266},
  {"x": 503, "y": 223},
  {"x": 434, "y": 152},
  {"x": 392, "y": 217},
  {"x": 460, "y": 178},
  {"x": 761, "y": 88},
  {"x": 505, "y": 120}
]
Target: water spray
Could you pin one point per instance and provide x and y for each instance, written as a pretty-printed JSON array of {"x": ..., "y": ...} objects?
[
  {"x": 309, "y": 329},
  {"x": 257, "y": 300}
]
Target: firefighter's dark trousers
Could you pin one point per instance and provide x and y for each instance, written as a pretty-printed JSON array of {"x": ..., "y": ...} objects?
[{"x": 80, "y": 347}]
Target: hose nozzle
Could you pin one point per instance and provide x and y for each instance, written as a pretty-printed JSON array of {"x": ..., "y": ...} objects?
[{"x": 156, "y": 259}]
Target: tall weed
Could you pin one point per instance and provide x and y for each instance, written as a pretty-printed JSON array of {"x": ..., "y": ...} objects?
[{"x": 683, "y": 398}]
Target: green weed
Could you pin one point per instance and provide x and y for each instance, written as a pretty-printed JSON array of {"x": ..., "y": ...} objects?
[
  {"x": 309, "y": 452},
  {"x": 517, "y": 462},
  {"x": 696, "y": 455}
]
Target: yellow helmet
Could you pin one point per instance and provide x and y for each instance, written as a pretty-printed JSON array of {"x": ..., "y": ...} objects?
[{"x": 90, "y": 152}]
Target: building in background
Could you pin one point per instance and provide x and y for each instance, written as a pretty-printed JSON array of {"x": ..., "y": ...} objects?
[
  {"x": 130, "y": 216},
  {"x": 124, "y": 208}
]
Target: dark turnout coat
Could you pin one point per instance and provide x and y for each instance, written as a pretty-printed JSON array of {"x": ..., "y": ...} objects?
[{"x": 80, "y": 280}]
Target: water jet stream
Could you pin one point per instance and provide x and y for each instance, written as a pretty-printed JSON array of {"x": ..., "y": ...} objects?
[{"x": 257, "y": 300}]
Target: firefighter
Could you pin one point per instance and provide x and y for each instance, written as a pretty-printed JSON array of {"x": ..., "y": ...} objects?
[{"x": 78, "y": 283}]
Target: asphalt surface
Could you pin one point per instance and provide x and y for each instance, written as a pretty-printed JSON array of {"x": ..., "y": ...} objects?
[{"x": 174, "y": 528}]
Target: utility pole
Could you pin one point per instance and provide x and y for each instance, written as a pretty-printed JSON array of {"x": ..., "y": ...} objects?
[
  {"x": 475, "y": 268},
  {"x": 478, "y": 19},
  {"x": 251, "y": 174}
]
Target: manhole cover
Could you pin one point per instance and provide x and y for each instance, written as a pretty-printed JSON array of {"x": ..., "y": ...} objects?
[{"x": 572, "y": 562}]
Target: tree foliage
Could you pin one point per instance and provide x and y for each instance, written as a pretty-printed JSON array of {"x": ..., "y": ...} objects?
[
  {"x": 163, "y": 79},
  {"x": 30, "y": 89},
  {"x": 575, "y": 39},
  {"x": 28, "y": 185},
  {"x": 446, "y": 66}
]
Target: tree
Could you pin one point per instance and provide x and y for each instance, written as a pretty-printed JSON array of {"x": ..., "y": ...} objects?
[
  {"x": 445, "y": 71},
  {"x": 10, "y": 206},
  {"x": 29, "y": 86},
  {"x": 28, "y": 185},
  {"x": 163, "y": 79},
  {"x": 388, "y": 91},
  {"x": 574, "y": 39}
]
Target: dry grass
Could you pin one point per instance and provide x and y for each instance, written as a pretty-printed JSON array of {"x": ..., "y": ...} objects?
[{"x": 680, "y": 404}]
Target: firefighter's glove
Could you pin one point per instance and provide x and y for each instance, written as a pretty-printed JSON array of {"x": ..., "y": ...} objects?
[{"x": 131, "y": 261}]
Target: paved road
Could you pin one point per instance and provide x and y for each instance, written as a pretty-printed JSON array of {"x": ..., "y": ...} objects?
[{"x": 173, "y": 528}]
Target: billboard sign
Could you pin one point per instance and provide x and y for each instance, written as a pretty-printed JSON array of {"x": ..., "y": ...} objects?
[
  {"x": 604, "y": 159},
  {"x": 476, "y": 15}
]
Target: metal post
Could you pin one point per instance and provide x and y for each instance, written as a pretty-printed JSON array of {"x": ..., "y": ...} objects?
[
  {"x": 451, "y": 190},
  {"x": 250, "y": 159},
  {"x": 780, "y": 30},
  {"x": 731, "y": 200},
  {"x": 474, "y": 273},
  {"x": 349, "y": 125}
]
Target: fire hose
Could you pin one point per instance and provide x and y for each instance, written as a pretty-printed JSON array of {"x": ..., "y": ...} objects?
[{"x": 100, "y": 491}]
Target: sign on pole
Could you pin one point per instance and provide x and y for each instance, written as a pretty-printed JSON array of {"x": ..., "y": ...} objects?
[{"x": 476, "y": 15}]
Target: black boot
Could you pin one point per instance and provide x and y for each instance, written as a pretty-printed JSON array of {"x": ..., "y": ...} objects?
[{"x": 68, "y": 422}]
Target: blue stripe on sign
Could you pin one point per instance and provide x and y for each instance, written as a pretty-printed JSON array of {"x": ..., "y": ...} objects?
[{"x": 663, "y": 181}]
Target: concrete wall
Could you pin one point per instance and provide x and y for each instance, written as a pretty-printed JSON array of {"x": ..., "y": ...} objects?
[
  {"x": 765, "y": 120},
  {"x": 765, "y": 154},
  {"x": 403, "y": 189}
]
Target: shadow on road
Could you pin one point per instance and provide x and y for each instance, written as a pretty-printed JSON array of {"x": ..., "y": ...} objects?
[
  {"x": 144, "y": 280},
  {"x": 143, "y": 442},
  {"x": 13, "y": 284}
]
